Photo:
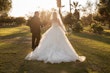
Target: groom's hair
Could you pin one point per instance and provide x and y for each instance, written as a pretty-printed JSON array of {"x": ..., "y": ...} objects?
[{"x": 36, "y": 12}]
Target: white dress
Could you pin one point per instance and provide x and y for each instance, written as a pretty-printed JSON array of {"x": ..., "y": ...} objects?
[{"x": 54, "y": 47}]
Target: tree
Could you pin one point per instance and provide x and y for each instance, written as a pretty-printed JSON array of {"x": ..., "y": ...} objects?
[
  {"x": 20, "y": 20},
  {"x": 104, "y": 8},
  {"x": 75, "y": 5},
  {"x": 76, "y": 25},
  {"x": 87, "y": 20},
  {"x": 59, "y": 3},
  {"x": 5, "y": 6},
  {"x": 89, "y": 7},
  {"x": 45, "y": 16},
  {"x": 68, "y": 19},
  {"x": 104, "y": 11}
]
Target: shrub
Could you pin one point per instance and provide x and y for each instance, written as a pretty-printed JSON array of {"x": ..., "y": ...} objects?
[
  {"x": 77, "y": 27},
  {"x": 97, "y": 28}
]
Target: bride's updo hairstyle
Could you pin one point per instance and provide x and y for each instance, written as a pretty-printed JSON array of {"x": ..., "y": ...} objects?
[{"x": 54, "y": 15}]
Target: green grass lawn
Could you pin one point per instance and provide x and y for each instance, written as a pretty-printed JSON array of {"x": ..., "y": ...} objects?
[{"x": 15, "y": 44}]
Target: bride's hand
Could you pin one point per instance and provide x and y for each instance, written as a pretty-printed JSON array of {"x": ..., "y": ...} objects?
[{"x": 66, "y": 32}]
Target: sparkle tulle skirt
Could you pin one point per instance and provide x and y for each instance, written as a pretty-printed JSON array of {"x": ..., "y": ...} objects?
[{"x": 54, "y": 47}]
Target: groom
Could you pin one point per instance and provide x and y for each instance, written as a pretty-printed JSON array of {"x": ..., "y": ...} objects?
[{"x": 35, "y": 24}]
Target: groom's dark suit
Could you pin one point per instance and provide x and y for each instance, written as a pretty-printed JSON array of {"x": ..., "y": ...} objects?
[{"x": 35, "y": 24}]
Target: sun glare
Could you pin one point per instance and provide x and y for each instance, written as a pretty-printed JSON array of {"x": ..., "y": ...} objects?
[
  {"x": 27, "y": 7},
  {"x": 23, "y": 7}
]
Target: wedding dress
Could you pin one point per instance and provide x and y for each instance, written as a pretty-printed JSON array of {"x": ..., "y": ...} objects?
[{"x": 54, "y": 47}]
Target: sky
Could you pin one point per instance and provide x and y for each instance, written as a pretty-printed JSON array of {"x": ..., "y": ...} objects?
[{"x": 26, "y": 7}]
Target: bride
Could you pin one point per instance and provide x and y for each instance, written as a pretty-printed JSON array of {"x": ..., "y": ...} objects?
[{"x": 54, "y": 47}]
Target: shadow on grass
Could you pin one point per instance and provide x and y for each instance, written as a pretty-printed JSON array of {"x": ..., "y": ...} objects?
[
  {"x": 19, "y": 33},
  {"x": 106, "y": 33},
  {"x": 10, "y": 26},
  {"x": 97, "y": 59},
  {"x": 41, "y": 67},
  {"x": 93, "y": 37}
]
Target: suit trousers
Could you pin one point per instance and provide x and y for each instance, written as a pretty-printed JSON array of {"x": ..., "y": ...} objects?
[{"x": 35, "y": 40}]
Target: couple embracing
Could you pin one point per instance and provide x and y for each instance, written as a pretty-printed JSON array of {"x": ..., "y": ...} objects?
[{"x": 54, "y": 46}]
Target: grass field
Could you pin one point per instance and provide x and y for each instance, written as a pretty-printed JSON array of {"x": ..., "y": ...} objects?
[{"x": 15, "y": 44}]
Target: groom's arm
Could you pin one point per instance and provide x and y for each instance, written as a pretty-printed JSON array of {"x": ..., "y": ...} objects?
[{"x": 30, "y": 24}]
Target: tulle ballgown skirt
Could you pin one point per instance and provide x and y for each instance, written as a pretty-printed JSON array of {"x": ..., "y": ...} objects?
[{"x": 54, "y": 47}]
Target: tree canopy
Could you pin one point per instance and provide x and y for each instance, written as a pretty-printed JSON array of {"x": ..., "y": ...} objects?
[
  {"x": 104, "y": 8},
  {"x": 5, "y": 6}
]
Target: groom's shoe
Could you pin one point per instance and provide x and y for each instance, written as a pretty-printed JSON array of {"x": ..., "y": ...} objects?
[{"x": 33, "y": 48}]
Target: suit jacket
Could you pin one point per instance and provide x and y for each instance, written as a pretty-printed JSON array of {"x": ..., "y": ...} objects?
[{"x": 35, "y": 24}]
